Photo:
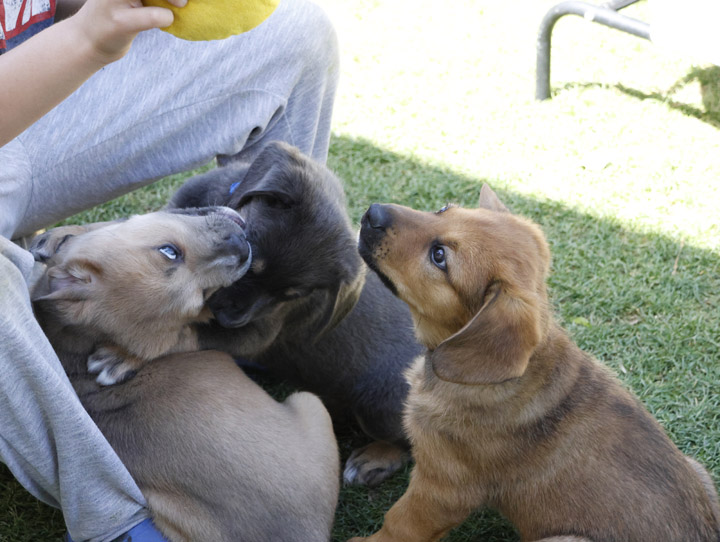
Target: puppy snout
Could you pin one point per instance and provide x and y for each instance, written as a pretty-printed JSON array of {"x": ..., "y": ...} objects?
[
  {"x": 232, "y": 215},
  {"x": 378, "y": 217},
  {"x": 238, "y": 245},
  {"x": 219, "y": 218},
  {"x": 215, "y": 215}
]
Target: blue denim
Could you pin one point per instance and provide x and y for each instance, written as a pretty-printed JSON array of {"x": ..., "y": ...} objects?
[{"x": 142, "y": 532}]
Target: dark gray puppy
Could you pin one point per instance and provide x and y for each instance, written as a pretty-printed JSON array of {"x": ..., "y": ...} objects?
[{"x": 307, "y": 310}]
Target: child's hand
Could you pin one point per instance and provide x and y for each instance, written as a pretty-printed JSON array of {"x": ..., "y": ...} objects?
[{"x": 109, "y": 26}]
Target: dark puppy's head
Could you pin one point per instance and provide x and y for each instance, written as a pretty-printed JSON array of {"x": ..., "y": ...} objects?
[
  {"x": 303, "y": 245},
  {"x": 128, "y": 279},
  {"x": 474, "y": 280}
]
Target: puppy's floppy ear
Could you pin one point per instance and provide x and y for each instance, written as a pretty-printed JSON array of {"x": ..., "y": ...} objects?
[
  {"x": 489, "y": 200},
  {"x": 68, "y": 282},
  {"x": 345, "y": 297},
  {"x": 276, "y": 199},
  {"x": 270, "y": 176},
  {"x": 495, "y": 345}
]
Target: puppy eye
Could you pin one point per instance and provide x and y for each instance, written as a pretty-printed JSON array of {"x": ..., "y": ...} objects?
[
  {"x": 170, "y": 251},
  {"x": 437, "y": 255}
]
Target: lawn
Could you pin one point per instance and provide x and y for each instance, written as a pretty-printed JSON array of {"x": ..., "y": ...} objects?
[{"x": 621, "y": 169}]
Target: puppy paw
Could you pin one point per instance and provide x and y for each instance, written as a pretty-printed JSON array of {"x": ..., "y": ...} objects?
[
  {"x": 112, "y": 365},
  {"x": 372, "y": 464},
  {"x": 45, "y": 245}
]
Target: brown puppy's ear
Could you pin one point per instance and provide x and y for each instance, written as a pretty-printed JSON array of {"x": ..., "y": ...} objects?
[
  {"x": 69, "y": 282},
  {"x": 489, "y": 200},
  {"x": 345, "y": 296},
  {"x": 494, "y": 346}
]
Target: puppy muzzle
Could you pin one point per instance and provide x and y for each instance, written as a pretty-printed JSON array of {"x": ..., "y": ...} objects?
[
  {"x": 373, "y": 227},
  {"x": 375, "y": 223}
]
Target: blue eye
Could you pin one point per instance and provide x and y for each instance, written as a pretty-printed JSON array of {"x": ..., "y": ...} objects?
[
  {"x": 438, "y": 256},
  {"x": 171, "y": 252}
]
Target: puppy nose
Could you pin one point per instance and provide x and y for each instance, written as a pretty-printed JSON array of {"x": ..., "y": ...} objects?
[
  {"x": 238, "y": 245},
  {"x": 378, "y": 217}
]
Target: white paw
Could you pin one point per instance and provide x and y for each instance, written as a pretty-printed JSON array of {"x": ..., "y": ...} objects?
[
  {"x": 371, "y": 464},
  {"x": 110, "y": 367},
  {"x": 350, "y": 474}
]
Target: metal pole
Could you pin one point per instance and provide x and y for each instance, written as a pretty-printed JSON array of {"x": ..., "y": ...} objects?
[
  {"x": 617, "y": 5},
  {"x": 591, "y": 12}
]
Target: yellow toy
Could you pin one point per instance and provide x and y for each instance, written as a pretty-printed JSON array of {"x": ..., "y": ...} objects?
[{"x": 202, "y": 20}]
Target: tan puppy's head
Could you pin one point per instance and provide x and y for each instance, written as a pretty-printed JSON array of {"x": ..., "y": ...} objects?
[
  {"x": 474, "y": 280},
  {"x": 130, "y": 279}
]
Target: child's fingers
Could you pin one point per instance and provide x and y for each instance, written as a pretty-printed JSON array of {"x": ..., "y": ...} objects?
[
  {"x": 178, "y": 3},
  {"x": 145, "y": 18}
]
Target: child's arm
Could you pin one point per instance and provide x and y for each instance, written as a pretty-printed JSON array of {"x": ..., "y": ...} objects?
[{"x": 41, "y": 72}]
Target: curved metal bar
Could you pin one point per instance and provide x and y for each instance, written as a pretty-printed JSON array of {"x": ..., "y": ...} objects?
[{"x": 597, "y": 14}]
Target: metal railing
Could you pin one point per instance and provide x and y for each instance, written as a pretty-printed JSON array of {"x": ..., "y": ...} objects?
[{"x": 605, "y": 14}]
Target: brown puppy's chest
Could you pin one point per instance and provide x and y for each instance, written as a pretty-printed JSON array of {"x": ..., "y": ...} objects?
[
  {"x": 480, "y": 436},
  {"x": 534, "y": 454}
]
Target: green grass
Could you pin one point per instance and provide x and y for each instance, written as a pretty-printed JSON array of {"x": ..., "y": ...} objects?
[{"x": 620, "y": 169}]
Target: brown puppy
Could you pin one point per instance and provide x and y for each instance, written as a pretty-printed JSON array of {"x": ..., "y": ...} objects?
[
  {"x": 215, "y": 456},
  {"x": 505, "y": 411}
]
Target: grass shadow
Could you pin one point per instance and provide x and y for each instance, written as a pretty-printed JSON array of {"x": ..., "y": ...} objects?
[
  {"x": 641, "y": 302},
  {"x": 707, "y": 77}
]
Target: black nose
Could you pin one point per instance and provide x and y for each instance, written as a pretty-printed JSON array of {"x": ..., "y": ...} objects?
[
  {"x": 378, "y": 217},
  {"x": 238, "y": 245}
]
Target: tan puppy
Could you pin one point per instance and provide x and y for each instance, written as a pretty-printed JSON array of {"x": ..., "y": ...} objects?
[
  {"x": 215, "y": 456},
  {"x": 505, "y": 411},
  {"x": 141, "y": 284}
]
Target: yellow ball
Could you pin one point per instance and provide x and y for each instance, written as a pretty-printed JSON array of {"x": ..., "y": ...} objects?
[{"x": 202, "y": 20}]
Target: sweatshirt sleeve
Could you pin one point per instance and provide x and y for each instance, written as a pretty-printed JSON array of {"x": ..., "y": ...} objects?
[{"x": 21, "y": 19}]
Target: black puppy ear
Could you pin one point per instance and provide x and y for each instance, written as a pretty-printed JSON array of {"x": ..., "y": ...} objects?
[
  {"x": 272, "y": 176},
  {"x": 275, "y": 199}
]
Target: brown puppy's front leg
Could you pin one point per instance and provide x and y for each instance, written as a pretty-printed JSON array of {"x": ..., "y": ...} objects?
[{"x": 425, "y": 513}]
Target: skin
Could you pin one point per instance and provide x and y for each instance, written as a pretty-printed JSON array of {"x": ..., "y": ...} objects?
[{"x": 44, "y": 70}]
